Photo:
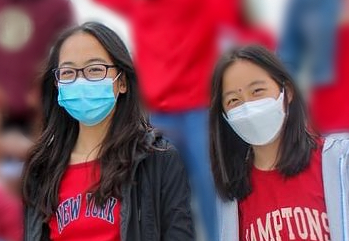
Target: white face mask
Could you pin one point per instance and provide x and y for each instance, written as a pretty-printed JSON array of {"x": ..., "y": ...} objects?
[{"x": 258, "y": 122}]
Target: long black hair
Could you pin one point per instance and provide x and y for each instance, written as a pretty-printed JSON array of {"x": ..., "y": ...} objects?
[
  {"x": 230, "y": 160},
  {"x": 125, "y": 139}
]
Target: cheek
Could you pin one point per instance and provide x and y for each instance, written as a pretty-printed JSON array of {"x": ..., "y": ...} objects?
[
  {"x": 224, "y": 106},
  {"x": 227, "y": 108},
  {"x": 274, "y": 92}
]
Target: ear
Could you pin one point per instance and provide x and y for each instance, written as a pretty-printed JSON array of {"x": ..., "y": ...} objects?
[
  {"x": 289, "y": 92},
  {"x": 122, "y": 84}
]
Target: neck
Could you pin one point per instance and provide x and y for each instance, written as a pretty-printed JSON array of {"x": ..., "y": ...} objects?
[
  {"x": 266, "y": 157},
  {"x": 88, "y": 143}
]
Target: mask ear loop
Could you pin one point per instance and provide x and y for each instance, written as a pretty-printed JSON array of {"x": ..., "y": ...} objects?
[
  {"x": 117, "y": 77},
  {"x": 286, "y": 105},
  {"x": 248, "y": 154}
]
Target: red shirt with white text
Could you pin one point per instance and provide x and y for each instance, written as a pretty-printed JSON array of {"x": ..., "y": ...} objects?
[
  {"x": 285, "y": 208},
  {"x": 78, "y": 218}
]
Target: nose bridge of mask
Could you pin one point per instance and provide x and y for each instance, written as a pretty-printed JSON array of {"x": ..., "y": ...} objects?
[
  {"x": 254, "y": 107},
  {"x": 83, "y": 81},
  {"x": 83, "y": 89}
]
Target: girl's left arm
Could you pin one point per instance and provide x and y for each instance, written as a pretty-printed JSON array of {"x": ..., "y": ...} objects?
[{"x": 176, "y": 219}]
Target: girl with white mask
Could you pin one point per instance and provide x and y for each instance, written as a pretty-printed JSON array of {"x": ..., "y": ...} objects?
[{"x": 276, "y": 179}]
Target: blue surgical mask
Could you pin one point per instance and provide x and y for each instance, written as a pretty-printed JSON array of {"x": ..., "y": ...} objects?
[{"x": 87, "y": 101}]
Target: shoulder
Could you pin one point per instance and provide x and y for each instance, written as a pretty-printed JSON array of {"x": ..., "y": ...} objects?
[
  {"x": 164, "y": 154},
  {"x": 332, "y": 147},
  {"x": 157, "y": 156},
  {"x": 162, "y": 161},
  {"x": 335, "y": 150},
  {"x": 338, "y": 142},
  {"x": 335, "y": 158},
  {"x": 160, "y": 148}
]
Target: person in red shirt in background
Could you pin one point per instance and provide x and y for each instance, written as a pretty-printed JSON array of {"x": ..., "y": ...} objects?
[
  {"x": 329, "y": 103},
  {"x": 176, "y": 44},
  {"x": 27, "y": 29},
  {"x": 315, "y": 42}
]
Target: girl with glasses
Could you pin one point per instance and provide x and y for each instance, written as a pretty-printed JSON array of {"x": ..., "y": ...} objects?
[{"x": 98, "y": 171}]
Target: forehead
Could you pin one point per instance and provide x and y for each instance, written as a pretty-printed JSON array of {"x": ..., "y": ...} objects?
[
  {"x": 82, "y": 47},
  {"x": 242, "y": 73}
]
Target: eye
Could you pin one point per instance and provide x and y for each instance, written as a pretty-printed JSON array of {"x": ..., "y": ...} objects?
[
  {"x": 66, "y": 73},
  {"x": 258, "y": 91},
  {"x": 96, "y": 69},
  {"x": 233, "y": 102}
]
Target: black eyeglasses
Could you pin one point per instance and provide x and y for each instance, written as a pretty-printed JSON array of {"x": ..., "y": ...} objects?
[{"x": 94, "y": 72}]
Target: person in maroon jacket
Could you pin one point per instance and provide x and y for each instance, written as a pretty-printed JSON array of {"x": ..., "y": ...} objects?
[
  {"x": 27, "y": 30},
  {"x": 11, "y": 212}
]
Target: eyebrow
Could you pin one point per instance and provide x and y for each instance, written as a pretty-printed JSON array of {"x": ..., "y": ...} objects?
[
  {"x": 66, "y": 63},
  {"x": 229, "y": 93},
  {"x": 256, "y": 82},
  {"x": 90, "y": 61},
  {"x": 100, "y": 60}
]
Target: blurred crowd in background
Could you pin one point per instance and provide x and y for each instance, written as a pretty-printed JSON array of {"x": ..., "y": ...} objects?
[{"x": 175, "y": 44}]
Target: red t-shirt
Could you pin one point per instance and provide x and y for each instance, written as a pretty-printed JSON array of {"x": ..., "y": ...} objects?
[
  {"x": 175, "y": 48},
  {"x": 285, "y": 209},
  {"x": 177, "y": 44},
  {"x": 77, "y": 217},
  {"x": 330, "y": 104}
]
